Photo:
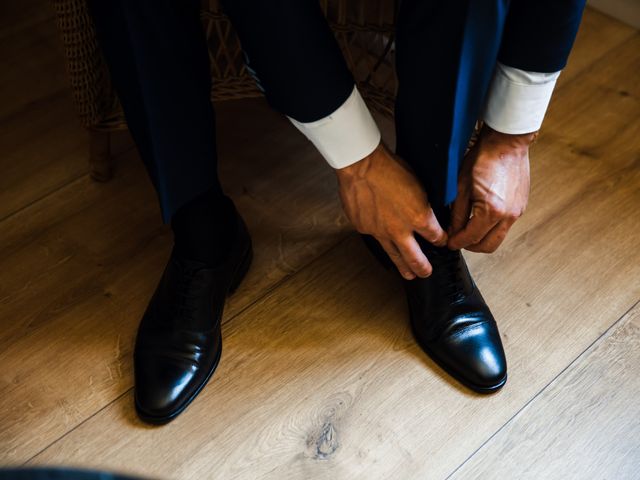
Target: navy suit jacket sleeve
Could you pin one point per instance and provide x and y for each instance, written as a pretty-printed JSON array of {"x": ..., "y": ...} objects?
[{"x": 539, "y": 34}]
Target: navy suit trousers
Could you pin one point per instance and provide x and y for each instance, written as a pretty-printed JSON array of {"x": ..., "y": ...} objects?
[{"x": 446, "y": 54}]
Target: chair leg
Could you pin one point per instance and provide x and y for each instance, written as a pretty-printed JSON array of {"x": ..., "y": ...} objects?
[{"x": 100, "y": 159}]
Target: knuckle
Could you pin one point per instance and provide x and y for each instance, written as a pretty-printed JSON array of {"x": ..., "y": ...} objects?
[
  {"x": 518, "y": 213},
  {"x": 421, "y": 219},
  {"x": 514, "y": 215},
  {"x": 433, "y": 235},
  {"x": 419, "y": 268},
  {"x": 475, "y": 239},
  {"x": 415, "y": 264},
  {"x": 496, "y": 207},
  {"x": 395, "y": 256},
  {"x": 498, "y": 210},
  {"x": 392, "y": 233}
]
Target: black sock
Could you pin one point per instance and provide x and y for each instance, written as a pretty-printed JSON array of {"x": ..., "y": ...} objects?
[{"x": 204, "y": 229}]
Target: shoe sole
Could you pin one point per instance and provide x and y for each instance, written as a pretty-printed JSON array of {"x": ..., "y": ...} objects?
[
  {"x": 454, "y": 375},
  {"x": 238, "y": 276}
]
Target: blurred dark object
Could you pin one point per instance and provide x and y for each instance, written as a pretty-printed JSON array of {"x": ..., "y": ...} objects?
[{"x": 43, "y": 473}]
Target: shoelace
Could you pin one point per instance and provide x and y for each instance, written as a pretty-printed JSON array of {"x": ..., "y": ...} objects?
[
  {"x": 184, "y": 305},
  {"x": 449, "y": 274}
]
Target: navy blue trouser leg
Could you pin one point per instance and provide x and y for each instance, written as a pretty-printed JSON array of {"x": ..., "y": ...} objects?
[
  {"x": 157, "y": 56},
  {"x": 446, "y": 54},
  {"x": 294, "y": 55},
  {"x": 159, "y": 65}
]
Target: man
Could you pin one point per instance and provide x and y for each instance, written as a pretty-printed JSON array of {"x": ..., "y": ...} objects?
[{"x": 457, "y": 62}]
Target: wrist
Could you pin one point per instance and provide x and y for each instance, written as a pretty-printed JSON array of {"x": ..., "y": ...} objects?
[
  {"x": 360, "y": 168},
  {"x": 520, "y": 142}
]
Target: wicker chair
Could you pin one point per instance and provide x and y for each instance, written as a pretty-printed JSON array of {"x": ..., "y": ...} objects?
[{"x": 363, "y": 28}]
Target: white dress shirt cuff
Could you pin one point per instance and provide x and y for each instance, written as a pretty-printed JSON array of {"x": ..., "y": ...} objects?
[
  {"x": 517, "y": 100},
  {"x": 345, "y": 136}
]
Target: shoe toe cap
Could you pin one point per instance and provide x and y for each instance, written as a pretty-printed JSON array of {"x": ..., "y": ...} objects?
[
  {"x": 476, "y": 354},
  {"x": 162, "y": 387}
]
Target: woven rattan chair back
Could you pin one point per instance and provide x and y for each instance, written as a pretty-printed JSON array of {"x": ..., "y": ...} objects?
[{"x": 364, "y": 30}]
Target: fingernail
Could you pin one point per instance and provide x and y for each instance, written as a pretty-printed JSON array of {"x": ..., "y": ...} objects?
[{"x": 408, "y": 276}]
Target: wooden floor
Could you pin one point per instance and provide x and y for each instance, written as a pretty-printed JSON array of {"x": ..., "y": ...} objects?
[{"x": 320, "y": 377}]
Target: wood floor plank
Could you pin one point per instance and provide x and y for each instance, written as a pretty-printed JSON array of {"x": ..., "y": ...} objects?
[
  {"x": 43, "y": 146},
  {"x": 321, "y": 379},
  {"x": 32, "y": 64},
  {"x": 23, "y": 15},
  {"x": 79, "y": 267},
  {"x": 586, "y": 424},
  {"x": 598, "y": 34}
]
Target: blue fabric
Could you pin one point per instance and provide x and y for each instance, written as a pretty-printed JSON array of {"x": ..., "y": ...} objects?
[
  {"x": 539, "y": 34},
  {"x": 446, "y": 54},
  {"x": 158, "y": 61},
  {"x": 482, "y": 36}
]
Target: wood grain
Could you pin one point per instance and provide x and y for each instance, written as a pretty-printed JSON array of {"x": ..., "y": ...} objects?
[
  {"x": 586, "y": 424},
  {"x": 18, "y": 17},
  {"x": 42, "y": 144},
  {"x": 627, "y": 11},
  {"x": 79, "y": 267},
  {"x": 44, "y": 148},
  {"x": 597, "y": 36},
  {"x": 321, "y": 379},
  {"x": 31, "y": 58}
]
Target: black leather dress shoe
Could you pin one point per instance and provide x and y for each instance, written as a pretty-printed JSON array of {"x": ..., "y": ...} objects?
[
  {"x": 453, "y": 324},
  {"x": 179, "y": 340},
  {"x": 451, "y": 321}
]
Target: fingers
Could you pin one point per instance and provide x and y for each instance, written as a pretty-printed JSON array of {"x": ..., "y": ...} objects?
[
  {"x": 408, "y": 257},
  {"x": 413, "y": 256},
  {"x": 493, "y": 239},
  {"x": 460, "y": 211},
  {"x": 397, "y": 259},
  {"x": 475, "y": 230},
  {"x": 429, "y": 228}
]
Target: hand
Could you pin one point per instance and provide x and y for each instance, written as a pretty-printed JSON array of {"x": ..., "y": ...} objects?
[
  {"x": 493, "y": 188},
  {"x": 383, "y": 198}
]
